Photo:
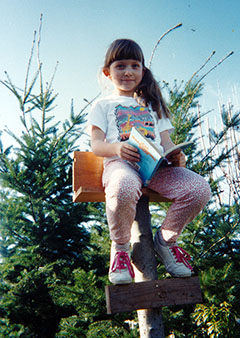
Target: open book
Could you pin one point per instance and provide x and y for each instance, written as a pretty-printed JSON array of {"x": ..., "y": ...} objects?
[{"x": 150, "y": 157}]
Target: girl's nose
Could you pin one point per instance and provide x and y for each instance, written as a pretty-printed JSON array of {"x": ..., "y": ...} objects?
[{"x": 128, "y": 71}]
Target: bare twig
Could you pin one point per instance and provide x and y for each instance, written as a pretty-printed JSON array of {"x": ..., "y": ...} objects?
[
  {"x": 155, "y": 47},
  {"x": 53, "y": 76},
  {"x": 29, "y": 64},
  {"x": 38, "y": 51},
  {"x": 201, "y": 131},
  {"x": 221, "y": 61},
  {"x": 92, "y": 100},
  {"x": 203, "y": 65}
]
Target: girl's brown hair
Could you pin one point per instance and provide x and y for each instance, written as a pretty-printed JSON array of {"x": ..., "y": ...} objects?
[{"x": 148, "y": 90}]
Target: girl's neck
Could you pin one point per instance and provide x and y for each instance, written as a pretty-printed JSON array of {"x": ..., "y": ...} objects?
[{"x": 116, "y": 93}]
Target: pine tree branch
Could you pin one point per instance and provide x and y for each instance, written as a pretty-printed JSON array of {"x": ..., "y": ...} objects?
[
  {"x": 29, "y": 64},
  {"x": 38, "y": 54},
  {"x": 158, "y": 42},
  {"x": 220, "y": 240},
  {"x": 214, "y": 67},
  {"x": 201, "y": 67}
]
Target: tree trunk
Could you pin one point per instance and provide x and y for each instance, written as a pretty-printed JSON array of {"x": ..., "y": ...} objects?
[{"x": 145, "y": 267}]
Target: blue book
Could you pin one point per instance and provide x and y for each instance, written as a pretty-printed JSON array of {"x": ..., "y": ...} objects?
[{"x": 150, "y": 157}]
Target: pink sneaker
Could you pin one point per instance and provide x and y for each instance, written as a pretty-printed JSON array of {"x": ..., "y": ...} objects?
[{"x": 121, "y": 270}]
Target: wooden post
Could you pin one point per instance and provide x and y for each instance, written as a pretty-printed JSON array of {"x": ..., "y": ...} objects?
[{"x": 145, "y": 267}]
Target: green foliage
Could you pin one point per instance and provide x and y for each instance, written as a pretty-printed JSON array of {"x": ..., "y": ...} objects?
[
  {"x": 85, "y": 294},
  {"x": 111, "y": 329},
  {"x": 43, "y": 236},
  {"x": 182, "y": 99},
  {"x": 27, "y": 299},
  {"x": 216, "y": 321},
  {"x": 12, "y": 330}
]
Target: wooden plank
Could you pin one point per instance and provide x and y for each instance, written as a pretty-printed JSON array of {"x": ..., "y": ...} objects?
[
  {"x": 153, "y": 294},
  {"x": 91, "y": 194},
  {"x": 87, "y": 170},
  {"x": 87, "y": 180}
]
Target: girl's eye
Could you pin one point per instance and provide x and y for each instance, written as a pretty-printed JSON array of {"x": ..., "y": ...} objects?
[{"x": 119, "y": 66}]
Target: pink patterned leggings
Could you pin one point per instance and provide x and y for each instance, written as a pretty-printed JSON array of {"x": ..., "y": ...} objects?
[{"x": 122, "y": 183}]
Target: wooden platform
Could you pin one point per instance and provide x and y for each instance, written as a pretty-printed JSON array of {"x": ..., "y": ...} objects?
[
  {"x": 87, "y": 179},
  {"x": 153, "y": 294}
]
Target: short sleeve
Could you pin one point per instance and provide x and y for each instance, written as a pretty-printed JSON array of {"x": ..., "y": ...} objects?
[{"x": 97, "y": 116}]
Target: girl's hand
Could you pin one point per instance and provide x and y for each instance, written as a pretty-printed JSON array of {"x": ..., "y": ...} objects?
[
  {"x": 105, "y": 149},
  {"x": 178, "y": 159},
  {"x": 127, "y": 152}
]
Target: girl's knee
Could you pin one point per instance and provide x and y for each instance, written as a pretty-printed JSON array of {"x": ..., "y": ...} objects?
[
  {"x": 125, "y": 189},
  {"x": 200, "y": 191},
  {"x": 129, "y": 190}
]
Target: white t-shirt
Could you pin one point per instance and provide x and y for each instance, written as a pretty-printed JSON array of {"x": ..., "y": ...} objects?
[{"x": 116, "y": 115}]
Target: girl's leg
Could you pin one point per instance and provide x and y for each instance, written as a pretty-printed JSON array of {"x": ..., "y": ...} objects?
[
  {"x": 123, "y": 190},
  {"x": 190, "y": 193}
]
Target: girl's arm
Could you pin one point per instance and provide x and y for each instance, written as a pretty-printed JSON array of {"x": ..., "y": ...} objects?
[
  {"x": 177, "y": 159},
  {"x": 105, "y": 149}
]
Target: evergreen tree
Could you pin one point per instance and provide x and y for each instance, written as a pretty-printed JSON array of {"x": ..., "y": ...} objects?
[{"x": 43, "y": 239}]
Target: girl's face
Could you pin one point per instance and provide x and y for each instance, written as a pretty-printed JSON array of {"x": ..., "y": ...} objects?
[{"x": 126, "y": 75}]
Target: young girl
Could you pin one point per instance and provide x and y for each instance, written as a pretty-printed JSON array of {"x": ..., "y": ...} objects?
[{"x": 137, "y": 101}]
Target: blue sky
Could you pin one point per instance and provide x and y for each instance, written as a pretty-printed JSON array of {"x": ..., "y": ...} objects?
[{"x": 76, "y": 33}]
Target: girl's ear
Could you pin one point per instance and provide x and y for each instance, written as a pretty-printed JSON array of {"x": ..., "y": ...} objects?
[{"x": 106, "y": 72}]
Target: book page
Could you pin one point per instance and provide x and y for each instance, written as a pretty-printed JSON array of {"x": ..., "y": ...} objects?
[{"x": 177, "y": 148}]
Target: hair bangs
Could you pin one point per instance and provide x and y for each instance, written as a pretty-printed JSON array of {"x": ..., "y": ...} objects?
[{"x": 123, "y": 49}]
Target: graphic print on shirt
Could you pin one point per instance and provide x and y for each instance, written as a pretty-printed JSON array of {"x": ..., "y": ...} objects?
[{"x": 139, "y": 117}]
